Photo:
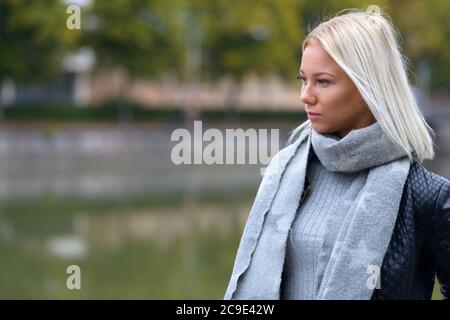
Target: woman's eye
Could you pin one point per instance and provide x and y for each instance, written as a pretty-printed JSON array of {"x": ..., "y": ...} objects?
[
  {"x": 319, "y": 81},
  {"x": 303, "y": 79},
  {"x": 322, "y": 81}
]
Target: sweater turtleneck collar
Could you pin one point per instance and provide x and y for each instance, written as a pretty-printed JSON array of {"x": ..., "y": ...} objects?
[{"x": 360, "y": 149}]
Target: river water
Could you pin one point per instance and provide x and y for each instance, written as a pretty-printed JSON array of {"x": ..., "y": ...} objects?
[{"x": 110, "y": 200}]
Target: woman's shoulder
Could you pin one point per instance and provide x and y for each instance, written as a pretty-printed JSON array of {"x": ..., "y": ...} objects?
[
  {"x": 427, "y": 188},
  {"x": 421, "y": 177}
]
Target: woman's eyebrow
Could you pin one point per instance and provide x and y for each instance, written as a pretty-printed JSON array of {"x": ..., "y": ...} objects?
[{"x": 319, "y": 73}]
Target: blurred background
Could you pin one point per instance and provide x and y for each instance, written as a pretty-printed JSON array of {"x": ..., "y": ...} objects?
[{"x": 90, "y": 93}]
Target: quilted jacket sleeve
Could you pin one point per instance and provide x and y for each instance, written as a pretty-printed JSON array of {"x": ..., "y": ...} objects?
[{"x": 440, "y": 235}]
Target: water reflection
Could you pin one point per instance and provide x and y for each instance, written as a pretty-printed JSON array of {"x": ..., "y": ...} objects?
[{"x": 110, "y": 200}]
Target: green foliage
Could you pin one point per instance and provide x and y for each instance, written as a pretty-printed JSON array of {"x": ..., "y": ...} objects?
[
  {"x": 137, "y": 35},
  {"x": 261, "y": 37},
  {"x": 202, "y": 39},
  {"x": 33, "y": 39},
  {"x": 425, "y": 30},
  {"x": 239, "y": 37}
]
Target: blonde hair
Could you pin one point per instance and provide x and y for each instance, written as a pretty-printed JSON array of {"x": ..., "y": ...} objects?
[{"x": 365, "y": 46}]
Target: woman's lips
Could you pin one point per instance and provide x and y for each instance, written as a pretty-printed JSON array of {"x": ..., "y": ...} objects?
[{"x": 313, "y": 116}]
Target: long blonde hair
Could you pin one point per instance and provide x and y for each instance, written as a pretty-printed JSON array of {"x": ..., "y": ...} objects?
[{"x": 365, "y": 45}]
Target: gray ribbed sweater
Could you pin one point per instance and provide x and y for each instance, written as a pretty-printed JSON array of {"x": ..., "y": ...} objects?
[{"x": 302, "y": 275}]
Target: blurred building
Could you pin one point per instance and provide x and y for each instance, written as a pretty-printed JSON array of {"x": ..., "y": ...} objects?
[{"x": 72, "y": 86}]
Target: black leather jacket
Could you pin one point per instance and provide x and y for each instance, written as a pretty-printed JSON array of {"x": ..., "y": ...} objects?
[{"x": 419, "y": 248}]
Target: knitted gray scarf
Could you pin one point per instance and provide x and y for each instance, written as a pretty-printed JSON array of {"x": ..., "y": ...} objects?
[{"x": 352, "y": 259}]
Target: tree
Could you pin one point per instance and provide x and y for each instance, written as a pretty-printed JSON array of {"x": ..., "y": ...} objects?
[
  {"x": 203, "y": 40},
  {"x": 33, "y": 39},
  {"x": 136, "y": 37}
]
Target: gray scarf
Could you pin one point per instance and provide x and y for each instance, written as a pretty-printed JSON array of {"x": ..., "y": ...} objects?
[
  {"x": 352, "y": 259},
  {"x": 358, "y": 150}
]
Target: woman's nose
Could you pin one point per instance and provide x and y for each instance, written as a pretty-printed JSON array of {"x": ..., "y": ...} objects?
[{"x": 307, "y": 96}]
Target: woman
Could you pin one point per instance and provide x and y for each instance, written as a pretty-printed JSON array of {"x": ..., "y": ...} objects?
[{"x": 346, "y": 210}]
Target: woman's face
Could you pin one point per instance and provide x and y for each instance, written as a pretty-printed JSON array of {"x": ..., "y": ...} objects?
[{"x": 329, "y": 92}]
